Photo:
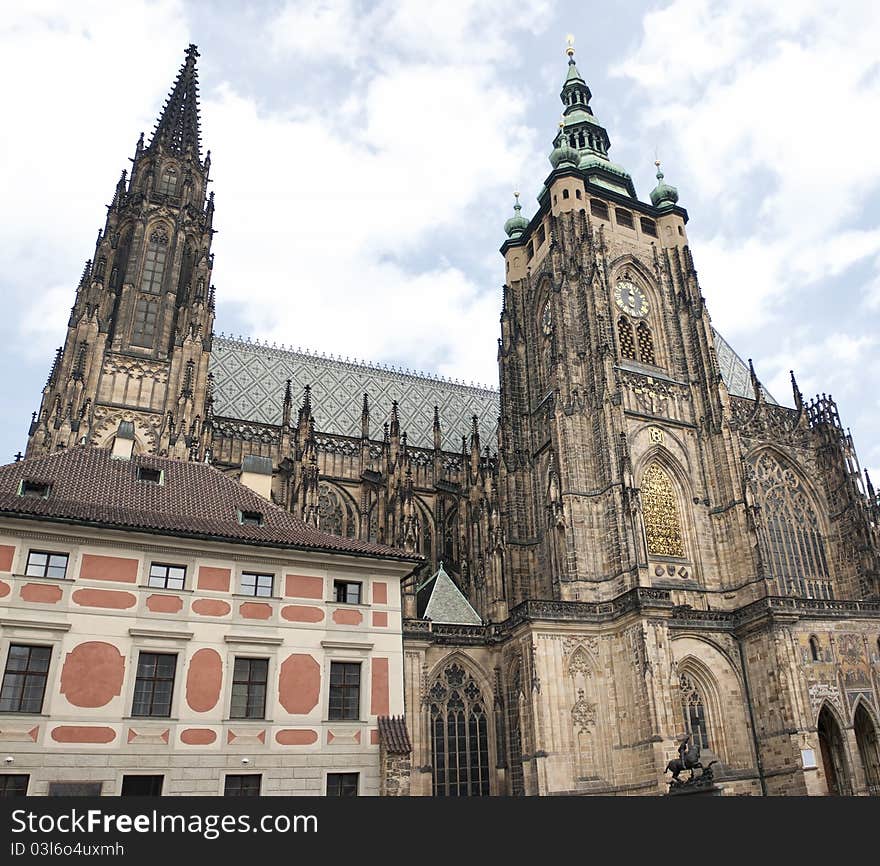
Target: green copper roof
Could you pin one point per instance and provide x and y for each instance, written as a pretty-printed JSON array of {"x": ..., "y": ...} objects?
[
  {"x": 573, "y": 74},
  {"x": 517, "y": 224},
  {"x": 663, "y": 195}
]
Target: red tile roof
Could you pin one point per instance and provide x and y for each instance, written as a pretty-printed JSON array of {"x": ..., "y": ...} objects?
[
  {"x": 394, "y": 735},
  {"x": 90, "y": 487}
]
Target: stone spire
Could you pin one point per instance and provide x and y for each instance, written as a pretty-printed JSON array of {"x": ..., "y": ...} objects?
[{"x": 177, "y": 128}]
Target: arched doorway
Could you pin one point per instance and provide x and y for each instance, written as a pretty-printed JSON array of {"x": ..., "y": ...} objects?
[
  {"x": 833, "y": 754},
  {"x": 869, "y": 750}
]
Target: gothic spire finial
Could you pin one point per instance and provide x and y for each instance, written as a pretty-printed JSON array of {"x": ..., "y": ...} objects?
[
  {"x": 177, "y": 128},
  {"x": 569, "y": 48},
  {"x": 798, "y": 397}
]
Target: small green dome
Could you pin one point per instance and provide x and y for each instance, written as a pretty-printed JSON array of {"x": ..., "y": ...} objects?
[
  {"x": 517, "y": 224},
  {"x": 563, "y": 153},
  {"x": 663, "y": 195}
]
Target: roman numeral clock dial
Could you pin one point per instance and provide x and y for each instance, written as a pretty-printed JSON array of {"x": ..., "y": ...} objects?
[{"x": 631, "y": 299}]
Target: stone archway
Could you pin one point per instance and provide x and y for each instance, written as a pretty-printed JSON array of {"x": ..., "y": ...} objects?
[
  {"x": 869, "y": 748},
  {"x": 837, "y": 779}
]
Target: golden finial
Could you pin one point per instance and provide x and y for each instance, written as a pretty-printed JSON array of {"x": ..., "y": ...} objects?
[
  {"x": 569, "y": 45},
  {"x": 516, "y": 195}
]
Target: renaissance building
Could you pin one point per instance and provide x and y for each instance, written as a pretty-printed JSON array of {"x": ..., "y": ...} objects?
[{"x": 628, "y": 543}]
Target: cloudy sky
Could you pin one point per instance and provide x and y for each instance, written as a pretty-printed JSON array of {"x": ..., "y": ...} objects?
[{"x": 364, "y": 155}]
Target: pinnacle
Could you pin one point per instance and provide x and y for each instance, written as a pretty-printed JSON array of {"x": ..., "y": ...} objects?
[{"x": 177, "y": 128}]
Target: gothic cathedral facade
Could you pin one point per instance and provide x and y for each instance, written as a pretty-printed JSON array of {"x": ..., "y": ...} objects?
[{"x": 634, "y": 543}]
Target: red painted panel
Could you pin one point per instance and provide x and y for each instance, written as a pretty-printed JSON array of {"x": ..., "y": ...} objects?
[
  {"x": 82, "y": 734},
  {"x": 255, "y": 610},
  {"x": 217, "y": 579},
  {"x": 5, "y": 589},
  {"x": 380, "y": 592},
  {"x": 379, "y": 687},
  {"x": 92, "y": 674},
  {"x": 210, "y": 607},
  {"x": 374, "y": 736},
  {"x": 108, "y": 568},
  {"x": 104, "y": 598},
  {"x": 343, "y": 616},
  {"x": 198, "y": 736},
  {"x": 7, "y": 552},
  {"x": 165, "y": 603},
  {"x": 299, "y": 683},
  {"x": 41, "y": 593},
  {"x": 380, "y": 619},
  {"x": 204, "y": 680},
  {"x": 291, "y": 737},
  {"x": 302, "y": 586},
  {"x": 298, "y": 613}
]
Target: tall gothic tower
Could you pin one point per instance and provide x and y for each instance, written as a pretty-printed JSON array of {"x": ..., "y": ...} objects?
[{"x": 139, "y": 334}]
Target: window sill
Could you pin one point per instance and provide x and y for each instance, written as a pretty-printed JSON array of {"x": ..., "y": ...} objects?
[
  {"x": 248, "y": 721},
  {"x": 157, "y": 719},
  {"x": 361, "y": 722}
]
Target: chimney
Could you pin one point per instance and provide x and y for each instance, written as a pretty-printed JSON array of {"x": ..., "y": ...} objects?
[
  {"x": 256, "y": 473},
  {"x": 123, "y": 444}
]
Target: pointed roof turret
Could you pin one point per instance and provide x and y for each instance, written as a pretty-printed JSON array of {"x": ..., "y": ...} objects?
[
  {"x": 177, "y": 128},
  {"x": 440, "y": 600},
  {"x": 517, "y": 224},
  {"x": 663, "y": 195}
]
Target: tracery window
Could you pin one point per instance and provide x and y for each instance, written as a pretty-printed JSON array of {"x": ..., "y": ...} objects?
[
  {"x": 694, "y": 711},
  {"x": 168, "y": 181},
  {"x": 154, "y": 263},
  {"x": 646, "y": 344},
  {"x": 660, "y": 508},
  {"x": 335, "y": 516},
  {"x": 459, "y": 735},
  {"x": 790, "y": 532},
  {"x": 626, "y": 338}
]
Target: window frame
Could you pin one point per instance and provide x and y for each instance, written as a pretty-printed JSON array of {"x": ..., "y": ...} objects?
[
  {"x": 340, "y": 776},
  {"x": 47, "y": 565},
  {"x": 346, "y": 584},
  {"x": 256, "y": 575},
  {"x": 338, "y": 714},
  {"x": 167, "y": 566},
  {"x": 5, "y": 786},
  {"x": 28, "y": 675},
  {"x": 249, "y": 682},
  {"x": 159, "y": 776},
  {"x": 138, "y": 678},
  {"x": 239, "y": 777}
]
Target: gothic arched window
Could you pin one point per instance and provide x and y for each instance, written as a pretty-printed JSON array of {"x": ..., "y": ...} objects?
[
  {"x": 143, "y": 331},
  {"x": 661, "y": 515},
  {"x": 168, "y": 181},
  {"x": 459, "y": 735},
  {"x": 814, "y": 648},
  {"x": 694, "y": 712},
  {"x": 790, "y": 532},
  {"x": 335, "y": 516},
  {"x": 154, "y": 263},
  {"x": 646, "y": 344},
  {"x": 626, "y": 338}
]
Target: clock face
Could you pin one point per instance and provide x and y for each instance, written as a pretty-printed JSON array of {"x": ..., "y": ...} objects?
[
  {"x": 631, "y": 299},
  {"x": 547, "y": 319}
]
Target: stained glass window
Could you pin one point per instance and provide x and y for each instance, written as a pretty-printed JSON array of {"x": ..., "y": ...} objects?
[
  {"x": 694, "y": 712},
  {"x": 459, "y": 735},
  {"x": 154, "y": 263},
  {"x": 790, "y": 533},
  {"x": 660, "y": 506}
]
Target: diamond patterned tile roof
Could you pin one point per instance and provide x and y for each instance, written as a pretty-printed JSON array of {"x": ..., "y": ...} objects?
[{"x": 249, "y": 381}]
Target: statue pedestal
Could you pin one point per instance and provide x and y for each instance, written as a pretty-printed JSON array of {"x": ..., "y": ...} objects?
[{"x": 709, "y": 790}]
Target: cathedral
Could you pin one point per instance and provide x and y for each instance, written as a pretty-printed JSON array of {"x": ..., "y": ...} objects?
[{"x": 630, "y": 543}]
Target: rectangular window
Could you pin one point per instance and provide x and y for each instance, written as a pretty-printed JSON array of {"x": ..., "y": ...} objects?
[
  {"x": 599, "y": 209},
  {"x": 24, "y": 681},
  {"x": 75, "y": 789},
  {"x": 624, "y": 218},
  {"x": 143, "y": 331},
  {"x": 14, "y": 784},
  {"x": 167, "y": 576},
  {"x": 540, "y": 236},
  {"x": 259, "y": 585},
  {"x": 154, "y": 267},
  {"x": 249, "y": 689},
  {"x": 43, "y": 564},
  {"x": 154, "y": 684},
  {"x": 347, "y": 591},
  {"x": 37, "y": 489},
  {"x": 342, "y": 784},
  {"x": 142, "y": 786},
  {"x": 148, "y": 473},
  {"x": 345, "y": 691},
  {"x": 649, "y": 227},
  {"x": 240, "y": 785}
]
